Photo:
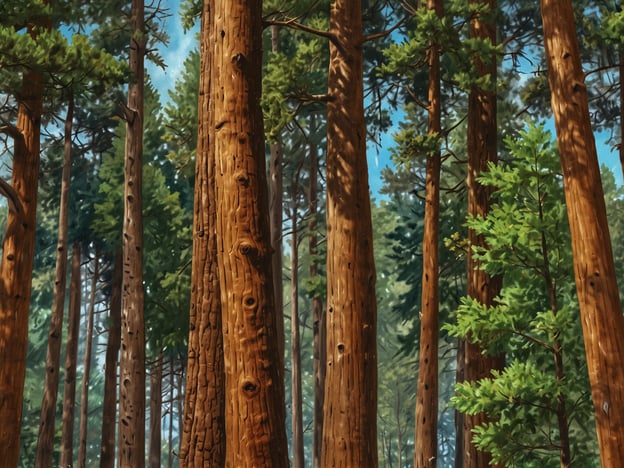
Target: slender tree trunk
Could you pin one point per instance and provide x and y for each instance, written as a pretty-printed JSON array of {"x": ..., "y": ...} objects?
[
  {"x": 84, "y": 399},
  {"x": 621, "y": 148},
  {"x": 155, "y": 412},
  {"x": 426, "y": 444},
  {"x": 482, "y": 134},
  {"x": 318, "y": 311},
  {"x": 109, "y": 404},
  {"x": 132, "y": 361},
  {"x": 17, "y": 261},
  {"x": 295, "y": 341},
  {"x": 170, "y": 435},
  {"x": 275, "y": 217},
  {"x": 45, "y": 441},
  {"x": 71, "y": 359},
  {"x": 350, "y": 420},
  {"x": 255, "y": 410},
  {"x": 203, "y": 438},
  {"x": 599, "y": 301}
]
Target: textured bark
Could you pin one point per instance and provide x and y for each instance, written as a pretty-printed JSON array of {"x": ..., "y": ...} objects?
[
  {"x": 318, "y": 311},
  {"x": 84, "y": 395},
  {"x": 295, "y": 340},
  {"x": 482, "y": 131},
  {"x": 255, "y": 410},
  {"x": 109, "y": 403},
  {"x": 45, "y": 441},
  {"x": 132, "y": 359},
  {"x": 426, "y": 443},
  {"x": 599, "y": 301},
  {"x": 275, "y": 218},
  {"x": 71, "y": 359},
  {"x": 203, "y": 439},
  {"x": 155, "y": 413},
  {"x": 349, "y": 426},
  {"x": 16, "y": 265}
]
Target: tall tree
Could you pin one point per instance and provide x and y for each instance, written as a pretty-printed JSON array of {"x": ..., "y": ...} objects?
[
  {"x": 426, "y": 443},
  {"x": 86, "y": 368},
  {"x": 132, "y": 360},
  {"x": 45, "y": 441},
  {"x": 109, "y": 403},
  {"x": 349, "y": 426},
  {"x": 156, "y": 376},
  {"x": 203, "y": 438},
  {"x": 600, "y": 306},
  {"x": 18, "y": 254},
  {"x": 481, "y": 147},
  {"x": 71, "y": 358},
  {"x": 254, "y": 412}
]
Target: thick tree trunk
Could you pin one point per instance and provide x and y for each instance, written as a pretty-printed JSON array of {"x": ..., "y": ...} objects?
[
  {"x": 203, "y": 438},
  {"x": 132, "y": 360},
  {"x": 599, "y": 301},
  {"x": 318, "y": 311},
  {"x": 482, "y": 131},
  {"x": 71, "y": 359},
  {"x": 109, "y": 404},
  {"x": 84, "y": 398},
  {"x": 16, "y": 265},
  {"x": 45, "y": 441},
  {"x": 426, "y": 444},
  {"x": 295, "y": 341},
  {"x": 350, "y": 426},
  {"x": 255, "y": 410},
  {"x": 155, "y": 413},
  {"x": 275, "y": 218}
]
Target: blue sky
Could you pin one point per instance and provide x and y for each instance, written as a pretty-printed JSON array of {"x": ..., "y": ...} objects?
[{"x": 182, "y": 43}]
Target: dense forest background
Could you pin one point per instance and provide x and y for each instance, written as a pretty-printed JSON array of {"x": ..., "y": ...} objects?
[{"x": 81, "y": 55}]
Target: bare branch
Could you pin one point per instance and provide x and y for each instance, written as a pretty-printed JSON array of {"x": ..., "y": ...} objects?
[{"x": 12, "y": 131}]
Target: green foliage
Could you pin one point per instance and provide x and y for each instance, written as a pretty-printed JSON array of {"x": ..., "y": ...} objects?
[{"x": 535, "y": 315}]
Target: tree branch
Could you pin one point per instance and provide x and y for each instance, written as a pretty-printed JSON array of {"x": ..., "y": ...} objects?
[
  {"x": 292, "y": 24},
  {"x": 12, "y": 131},
  {"x": 13, "y": 198},
  {"x": 387, "y": 32}
]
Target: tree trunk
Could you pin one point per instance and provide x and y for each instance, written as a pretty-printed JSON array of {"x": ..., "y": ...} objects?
[
  {"x": 132, "y": 361},
  {"x": 599, "y": 301},
  {"x": 295, "y": 341},
  {"x": 71, "y": 358},
  {"x": 17, "y": 261},
  {"x": 155, "y": 412},
  {"x": 275, "y": 218},
  {"x": 426, "y": 444},
  {"x": 350, "y": 413},
  {"x": 318, "y": 311},
  {"x": 255, "y": 410},
  {"x": 45, "y": 441},
  {"x": 482, "y": 134},
  {"x": 203, "y": 438},
  {"x": 171, "y": 396},
  {"x": 109, "y": 403},
  {"x": 84, "y": 399}
]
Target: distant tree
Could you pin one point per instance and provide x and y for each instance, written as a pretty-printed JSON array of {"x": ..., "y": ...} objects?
[{"x": 601, "y": 309}]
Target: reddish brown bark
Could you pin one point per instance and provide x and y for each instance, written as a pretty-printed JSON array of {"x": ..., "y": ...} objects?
[
  {"x": 255, "y": 410},
  {"x": 84, "y": 395},
  {"x": 109, "y": 404},
  {"x": 426, "y": 444},
  {"x": 71, "y": 359},
  {"x": 350, "y": 426},
  {"x": 132, "y": 358},
  {"x": 45, "y": 441},
  {"x": 599, "y": 301},
  {"x": 17, "y": 261},
  {"x": 482, "y": 134},
  {"x": 203, "y": 439}
]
